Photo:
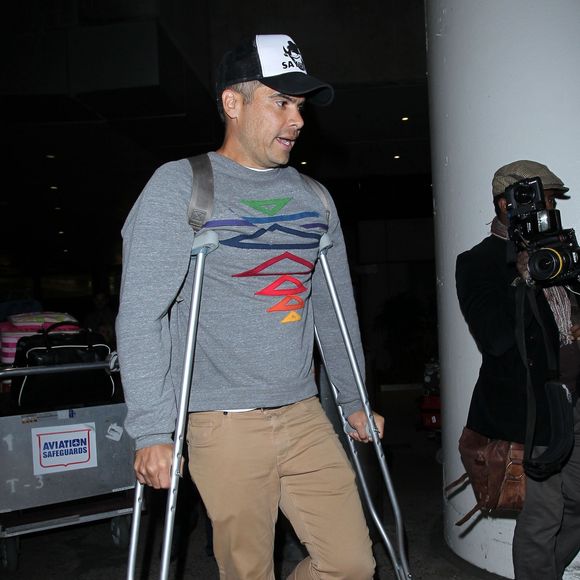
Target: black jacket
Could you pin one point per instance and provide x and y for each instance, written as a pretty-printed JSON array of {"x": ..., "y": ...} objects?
[{"x": 487, "y": 299}]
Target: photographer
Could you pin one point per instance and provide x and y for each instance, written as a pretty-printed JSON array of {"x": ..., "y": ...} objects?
[{"x": 547, "y": 533}]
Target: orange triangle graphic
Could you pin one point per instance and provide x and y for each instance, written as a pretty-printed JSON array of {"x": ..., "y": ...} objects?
[
  {"x": 291, "y": 317},
  {"x": 274, "y": 289},
  {"x": 288, "y": 303}
]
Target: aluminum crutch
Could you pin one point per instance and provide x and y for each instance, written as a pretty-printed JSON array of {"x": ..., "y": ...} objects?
[
  {"x": 398, "y": 557},
  {"x": 203, "y": 244}
]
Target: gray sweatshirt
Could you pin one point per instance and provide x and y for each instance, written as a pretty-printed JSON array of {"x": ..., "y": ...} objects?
[{"x": 262, "y": 294}]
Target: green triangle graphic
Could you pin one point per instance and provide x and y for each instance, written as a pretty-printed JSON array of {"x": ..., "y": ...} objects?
[{"x": 269, "y": 207}]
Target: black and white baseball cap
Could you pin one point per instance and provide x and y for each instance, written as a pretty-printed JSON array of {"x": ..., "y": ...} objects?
[{"x": 274, "y": 60}]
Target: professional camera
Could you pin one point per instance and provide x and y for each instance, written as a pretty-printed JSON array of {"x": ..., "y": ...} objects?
[{"x": 554, "y": 255}]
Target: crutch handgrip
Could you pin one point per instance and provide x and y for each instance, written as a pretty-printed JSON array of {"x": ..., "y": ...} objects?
[{"x": 348, "y": 429}]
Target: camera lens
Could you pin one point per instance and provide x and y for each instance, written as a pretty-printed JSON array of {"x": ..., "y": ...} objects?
[
  {"x": 545, "y": 263},
  {"x": 524, "y": 194}
]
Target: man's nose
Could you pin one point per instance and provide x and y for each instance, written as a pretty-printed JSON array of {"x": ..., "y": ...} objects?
[{"x": 296, "y": 120}]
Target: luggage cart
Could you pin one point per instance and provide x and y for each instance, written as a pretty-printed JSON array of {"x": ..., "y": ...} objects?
[{"x": 64, "y": 467}]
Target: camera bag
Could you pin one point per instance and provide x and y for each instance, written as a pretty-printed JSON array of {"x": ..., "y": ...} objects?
[
  {"x": 57, "y": 390},
  {"x": 495, "y": 470}
]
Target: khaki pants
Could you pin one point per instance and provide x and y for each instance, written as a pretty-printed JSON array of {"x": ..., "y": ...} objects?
[{"x": 248, "y": 464}]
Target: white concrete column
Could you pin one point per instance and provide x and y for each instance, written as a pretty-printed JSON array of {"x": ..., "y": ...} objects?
[{"x": 504, "y": 84}]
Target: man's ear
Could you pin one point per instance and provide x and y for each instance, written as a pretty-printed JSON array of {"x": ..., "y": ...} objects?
[
  {"x": 231, "y": 102},
  {"x": 502, "y": 204}
]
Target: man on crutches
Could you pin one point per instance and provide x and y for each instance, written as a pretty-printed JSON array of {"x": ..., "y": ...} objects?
[{"x": 258, "y": 438}]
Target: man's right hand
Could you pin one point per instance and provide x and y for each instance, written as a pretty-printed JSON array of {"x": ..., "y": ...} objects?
[
  {"x": 153, "y": 465},
  {"x": 522, "y": 265}
]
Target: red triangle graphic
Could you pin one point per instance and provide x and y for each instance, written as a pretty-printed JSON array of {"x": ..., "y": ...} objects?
[
  {"x": 259, "y": 270},
  {"x": 274, "y": 289}
]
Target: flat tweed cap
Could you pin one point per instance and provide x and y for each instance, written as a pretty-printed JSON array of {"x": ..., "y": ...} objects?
[{"x": 524, "y": 169}]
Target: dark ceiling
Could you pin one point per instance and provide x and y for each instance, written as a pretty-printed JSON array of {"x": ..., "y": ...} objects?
[{"x": 93, "y": 102}]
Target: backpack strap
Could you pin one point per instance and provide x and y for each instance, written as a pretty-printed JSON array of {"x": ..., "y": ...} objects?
[
  {"x": 201, "y": 202},
  {"x": 320, "y": 190}
]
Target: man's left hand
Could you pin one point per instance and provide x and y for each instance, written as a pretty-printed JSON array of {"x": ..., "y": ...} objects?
[{"x": 358, "y": 421}]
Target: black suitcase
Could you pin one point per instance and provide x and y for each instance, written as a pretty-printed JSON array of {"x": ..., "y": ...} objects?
[{"x": 51, "y": 391}]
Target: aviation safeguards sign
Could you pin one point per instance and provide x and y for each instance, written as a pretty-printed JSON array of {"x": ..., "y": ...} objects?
[{"x": 63, "y": 448}]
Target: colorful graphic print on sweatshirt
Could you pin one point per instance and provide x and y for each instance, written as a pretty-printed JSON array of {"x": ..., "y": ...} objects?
[{"x": 304, "y": 233}]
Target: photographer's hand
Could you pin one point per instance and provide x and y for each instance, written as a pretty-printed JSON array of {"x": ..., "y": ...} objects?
[
  {"x": 522, "y": 267},
  {"x": 522, "y": 264}
]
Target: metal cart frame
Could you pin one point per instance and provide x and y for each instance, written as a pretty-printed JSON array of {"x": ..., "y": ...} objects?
[{"x": 64, "y": 467}]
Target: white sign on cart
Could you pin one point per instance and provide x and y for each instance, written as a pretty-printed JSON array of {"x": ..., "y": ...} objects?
[{"x": 57, "y": 449}]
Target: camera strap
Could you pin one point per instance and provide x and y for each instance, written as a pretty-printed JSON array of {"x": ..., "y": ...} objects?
[{"x": 558, "y": 396}]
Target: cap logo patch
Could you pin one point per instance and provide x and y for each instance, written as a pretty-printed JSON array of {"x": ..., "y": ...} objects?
[
  {"x": 293, "y": 53},
  {"x": 278, "y": 55}
]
